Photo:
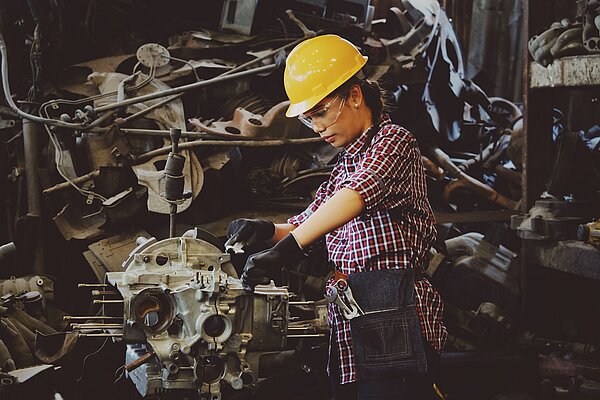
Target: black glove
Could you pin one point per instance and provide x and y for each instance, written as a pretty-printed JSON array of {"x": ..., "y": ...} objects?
[
  {"x": 260, "y": 266},
  {"x": 248, "y": 232}
]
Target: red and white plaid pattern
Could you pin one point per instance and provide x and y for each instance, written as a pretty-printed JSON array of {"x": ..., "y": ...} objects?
[{"x": 389, "y": 175}]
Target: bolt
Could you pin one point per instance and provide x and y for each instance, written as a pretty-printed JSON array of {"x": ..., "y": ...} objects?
[{"x": 146, "y": 259}]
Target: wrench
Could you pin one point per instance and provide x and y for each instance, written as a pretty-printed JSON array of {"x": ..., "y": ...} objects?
[{"x": 341, "y": 294}]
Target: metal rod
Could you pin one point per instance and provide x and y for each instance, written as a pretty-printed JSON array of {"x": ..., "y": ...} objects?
[
  {"x": 184, "y": 88},
  {"x": 172, "y": 215},
  {"x": 108, "y": 301},
  {"x": 97, "y": 326},
  {"x": 103, "y": 293},
  {"x": 81, "y": 285},
  {"x": 140, "y": 361},
  {"x": 83, "y": 318},
  {"x": 301, "y": 303},
  {"x": 101, "y": 335},
  {"x": 308, "y": 335},
  {"x": 229, "y": 143},
  {"x": 165, "y": 133},
  {"x": 64, "y": 185}
]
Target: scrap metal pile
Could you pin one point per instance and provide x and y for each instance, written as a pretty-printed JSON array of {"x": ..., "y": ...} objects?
[{"x": 87, "y": 175}]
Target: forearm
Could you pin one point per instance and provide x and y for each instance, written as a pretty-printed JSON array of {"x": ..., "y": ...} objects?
[
  {"x": 342, "y": 207},
  {"x": 281, "y": 230}
]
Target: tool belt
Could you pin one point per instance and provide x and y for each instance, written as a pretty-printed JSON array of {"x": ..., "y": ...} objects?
[{"x": 386, "y": 334}]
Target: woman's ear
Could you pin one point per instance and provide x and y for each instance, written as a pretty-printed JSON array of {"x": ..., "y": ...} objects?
[{"x": 355, "y": 96}]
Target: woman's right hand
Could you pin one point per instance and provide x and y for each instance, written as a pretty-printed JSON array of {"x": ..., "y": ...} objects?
[{"x": 244, "y": 232}]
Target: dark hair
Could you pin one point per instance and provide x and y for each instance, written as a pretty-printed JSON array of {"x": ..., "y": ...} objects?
[{"x": 375, "y": 96}]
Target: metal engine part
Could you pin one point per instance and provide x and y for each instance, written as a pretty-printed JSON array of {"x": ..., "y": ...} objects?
[
  {"x": 186, "y": 311},
  {"x": 553, "y": 219}
]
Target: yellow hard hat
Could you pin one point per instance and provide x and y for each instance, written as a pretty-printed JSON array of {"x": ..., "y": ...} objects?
[{"x": 316, "y": 67}]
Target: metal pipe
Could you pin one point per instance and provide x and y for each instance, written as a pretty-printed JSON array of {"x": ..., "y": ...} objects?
[
  {"x": 184, "y": 88},
  {"x": 467, "y": 181},
  {"x": 31, "y": 150}
]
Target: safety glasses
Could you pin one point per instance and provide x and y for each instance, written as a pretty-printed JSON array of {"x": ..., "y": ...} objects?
[{"x": 324, "y": 115}]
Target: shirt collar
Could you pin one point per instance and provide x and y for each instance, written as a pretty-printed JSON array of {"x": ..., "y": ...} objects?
[{"x": 357, "y": 144}]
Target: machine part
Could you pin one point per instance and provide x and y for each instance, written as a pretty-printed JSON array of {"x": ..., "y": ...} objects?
[
  {"x": 489, "y": 327},
  {"x": 480, "y": 271},
  {"x": 153, "y": 55},
  {"x": 273, "y": 125},
  {"x": 107, "y": 255},
  {"x": 465, "y": 180},
  {"x": 204, "y": 329},
  {"x": 8, "y": 252},
  {"x": 412, "y": 25},
  {"x": 551, "y": 219},
  {"x": 589, "y": 233},
  {"x": 170, "y": 115},
  {"x": 37, "y": 283},
  {"x": 591, "y": 26},
  {"x": 563, "y": 38}
]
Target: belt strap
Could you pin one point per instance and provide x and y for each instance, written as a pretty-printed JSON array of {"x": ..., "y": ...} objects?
[{"x": 417, "y": 272}]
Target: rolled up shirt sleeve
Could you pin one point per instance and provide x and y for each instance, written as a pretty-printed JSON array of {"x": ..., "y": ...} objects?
[{"x": 384, "y": 177}]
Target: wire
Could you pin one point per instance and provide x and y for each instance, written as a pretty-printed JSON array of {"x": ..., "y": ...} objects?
[{"x": 88, "y": 356}]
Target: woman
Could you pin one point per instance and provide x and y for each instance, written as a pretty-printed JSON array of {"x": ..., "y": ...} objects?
[{"x": 377, "y": 223}]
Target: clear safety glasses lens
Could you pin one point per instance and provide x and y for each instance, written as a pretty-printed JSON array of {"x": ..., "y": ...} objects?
[{"x": 325, "y": 115}]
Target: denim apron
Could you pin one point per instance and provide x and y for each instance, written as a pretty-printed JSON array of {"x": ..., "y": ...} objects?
[{"x": 387, "y": 339}]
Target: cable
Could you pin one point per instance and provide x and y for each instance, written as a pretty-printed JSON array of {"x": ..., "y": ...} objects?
[{"x": 88, "y": 356}]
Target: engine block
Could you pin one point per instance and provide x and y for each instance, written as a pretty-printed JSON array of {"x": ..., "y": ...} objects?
[{"x": 187, "y": 314}]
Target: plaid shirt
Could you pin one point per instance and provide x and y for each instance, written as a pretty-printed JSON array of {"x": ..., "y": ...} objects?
[{"x": 389, "y": 175}]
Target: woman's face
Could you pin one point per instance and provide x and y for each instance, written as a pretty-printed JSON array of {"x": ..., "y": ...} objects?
[{"x": 340, "y": 120}]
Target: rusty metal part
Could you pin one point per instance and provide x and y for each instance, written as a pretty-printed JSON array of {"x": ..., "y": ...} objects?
[
  {"x": 140, "y": 361},
  {"x": 274, "y": 124},
  {"x": 466, "y": 181},
  {"x": 305, "y": 31},
  {"x": 432, "y": 167},
  {"x": 229, "y": 143},
  {"x": 76, "y": 181}
]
